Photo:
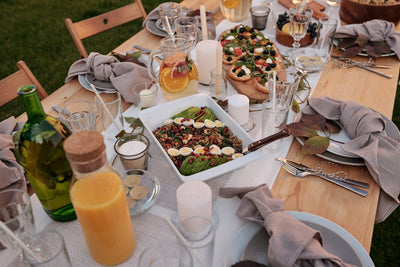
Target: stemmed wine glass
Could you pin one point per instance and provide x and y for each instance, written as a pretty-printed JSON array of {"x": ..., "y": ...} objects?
[{"x": 299, "y": 18}]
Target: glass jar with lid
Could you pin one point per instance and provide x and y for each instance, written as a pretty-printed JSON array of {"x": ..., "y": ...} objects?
[{"x": 99, "y": 200}]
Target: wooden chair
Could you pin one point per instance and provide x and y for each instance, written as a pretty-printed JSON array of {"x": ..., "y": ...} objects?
[
  {"x": 91, "y": 26},
  {"x": 10, "y": 84}
]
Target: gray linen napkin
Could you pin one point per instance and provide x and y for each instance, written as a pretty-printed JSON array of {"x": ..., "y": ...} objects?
[
  {"x": 154, "y": 15},
  {"x": 376, "y": 30},
  {"x": 122, "y": 75},
  {"x": 11, "y": 173},
  {"x": 291, "y": 243},
  {"x": 375, "y": 139}
]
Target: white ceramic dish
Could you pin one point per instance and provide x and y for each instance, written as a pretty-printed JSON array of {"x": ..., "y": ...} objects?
[
  {"x": 155, "y": 116},
  {"x": 103, "y": 86},
  {"x": 336, "y": 240}
]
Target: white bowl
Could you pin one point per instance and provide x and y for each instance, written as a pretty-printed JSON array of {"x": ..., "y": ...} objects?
[{"x": 155, "y": 116}]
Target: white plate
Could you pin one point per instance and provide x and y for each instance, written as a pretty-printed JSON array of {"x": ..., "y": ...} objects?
[
  {"x": 83, "y": 80},
  {"x": 336, "y": 240},
  {"x": 362, "y": 53},
  {"x": 155, "y": 116},
  {"x": 151, "y": 26},
  {"x": 336, "y": 140}
]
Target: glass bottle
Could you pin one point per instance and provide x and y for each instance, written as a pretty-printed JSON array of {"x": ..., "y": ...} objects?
[
  {"x": 99, "y": 199},
  {"x": 41, "y": 153}
]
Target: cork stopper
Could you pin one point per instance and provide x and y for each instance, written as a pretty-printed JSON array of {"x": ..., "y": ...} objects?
[{"x": 85, "y": 150}]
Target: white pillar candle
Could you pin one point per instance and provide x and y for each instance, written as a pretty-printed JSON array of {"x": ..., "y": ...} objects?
[
  {"x": 218, "y": 69},
  {"x": 194, "y": 199},
  {"x": 238, "y": 108},
  {"x": 203, "y": 20},
  {"x": 146, "y": 98},
  {"x": 206, "y": 51}
]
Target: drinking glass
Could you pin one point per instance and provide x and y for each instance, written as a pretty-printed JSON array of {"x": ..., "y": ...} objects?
[
  {"x": 165, "y": 253},
  {"x": 316, "y": 56},
  {"x": 168, "y": 13},
  {"x": 16, "y": 213},
  {"x": 188, "y": 25},
  {"x": 111, "y": 125},
  {"x": 78, "y": 115},
  {"x": 282, "y": 86},
  {"x": 235, "y": 10},
  {"x": 299, "y": 19},
  {"x": 49, "y": 249}
]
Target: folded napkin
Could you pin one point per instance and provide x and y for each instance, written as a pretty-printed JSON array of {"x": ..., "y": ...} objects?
[
  {"x": 122, "y": 75},
  {"x": 154, "y": 15},
  {"x": 375, "y": 139},
  {"x": 11, "y": 173},
  {"x": 375, "y": 30},
  {"x": 291, "y": 243}
]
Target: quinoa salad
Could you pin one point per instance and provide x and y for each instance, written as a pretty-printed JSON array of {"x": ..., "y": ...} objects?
[{"x": 196, "y": 140}]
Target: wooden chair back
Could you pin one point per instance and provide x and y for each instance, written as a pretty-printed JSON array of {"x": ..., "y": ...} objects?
[
  {"x": 9, "y": 85},
  {"x": 103, "y": 22}
]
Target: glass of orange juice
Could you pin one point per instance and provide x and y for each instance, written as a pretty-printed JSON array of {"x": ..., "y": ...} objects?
[
  {"x": 178, "y": 76},
  {"x": 99, "y": 199},
  {"x": 235, "y": 10}
]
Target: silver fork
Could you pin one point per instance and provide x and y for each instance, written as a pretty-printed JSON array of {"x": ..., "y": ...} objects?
[{"x": 299, "y": 173}]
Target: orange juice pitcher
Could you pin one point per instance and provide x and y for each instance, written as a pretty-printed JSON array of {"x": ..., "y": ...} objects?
[
  {"x": 178, "y": 76},
  {"x": 99, "y": 200}
]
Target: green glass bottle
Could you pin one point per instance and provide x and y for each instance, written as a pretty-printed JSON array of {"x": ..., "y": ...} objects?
[{"x": 42, "y": 155}]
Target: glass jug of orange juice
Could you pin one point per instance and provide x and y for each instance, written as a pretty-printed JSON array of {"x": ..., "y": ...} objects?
[
  {"x": 178, "y": 76},
  {"x": 99, "y": 200}
]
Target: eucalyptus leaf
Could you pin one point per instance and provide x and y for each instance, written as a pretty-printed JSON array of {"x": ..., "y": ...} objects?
[{"x": 315, "y": 145}]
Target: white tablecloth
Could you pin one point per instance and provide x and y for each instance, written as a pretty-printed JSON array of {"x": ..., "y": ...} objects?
[{"x": 149, "y": 226}]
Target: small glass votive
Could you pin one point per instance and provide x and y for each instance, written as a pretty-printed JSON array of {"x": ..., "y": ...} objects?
[
  {"x": 132, "y": 149},
  {"x": 218, "y": 85},
  {"x": 145, "y": 94},
  {"x": 259, "y": 16}
]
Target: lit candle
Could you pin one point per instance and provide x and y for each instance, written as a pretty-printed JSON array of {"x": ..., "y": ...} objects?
[
  {"x": 218, "y": 69},
  {"x": 203, "y": 21},
  {"x": 146, "y": 98},
  {"x": 206, "y": 52},
  {"x": 194, "y": 199},
  {"x": 238, "y": 108}
]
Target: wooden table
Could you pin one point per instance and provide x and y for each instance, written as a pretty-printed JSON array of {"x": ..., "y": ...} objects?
[{"x": 353, "y": 212}]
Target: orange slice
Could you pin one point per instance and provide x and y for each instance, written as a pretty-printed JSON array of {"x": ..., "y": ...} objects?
[
  {"x": 173, "y": 85},
  {"x": 231, "y": 3}
]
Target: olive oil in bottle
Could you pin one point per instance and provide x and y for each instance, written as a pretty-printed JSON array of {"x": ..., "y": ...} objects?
[{"x": 42, "y": 155}]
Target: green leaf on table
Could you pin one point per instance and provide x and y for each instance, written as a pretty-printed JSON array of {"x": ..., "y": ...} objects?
[
  {"x": 315, "y": 145},
  {"x": 315, "y": 121},
  {"x": 332, "y": 126},
  {"x": 295, "y": 106},
  {"x": 361, "y": 40},
  {"x": 299, "y": 129},
  {"x": 134, "y": 122}
]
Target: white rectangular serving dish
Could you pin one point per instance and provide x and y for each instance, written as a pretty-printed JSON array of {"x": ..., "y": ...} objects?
[{"x": 155, "y": 116}]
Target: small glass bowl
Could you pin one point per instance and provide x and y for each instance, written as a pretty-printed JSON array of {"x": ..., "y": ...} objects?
[{"x": 141, "y": 189}]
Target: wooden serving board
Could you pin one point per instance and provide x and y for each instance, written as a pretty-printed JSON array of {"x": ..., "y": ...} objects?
[
  {"x": 315, "y": 6},
  {"x": 246, "y": 88}
]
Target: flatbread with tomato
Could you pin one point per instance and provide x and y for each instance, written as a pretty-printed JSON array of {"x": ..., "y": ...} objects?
[{"x": 248, "y": 55}]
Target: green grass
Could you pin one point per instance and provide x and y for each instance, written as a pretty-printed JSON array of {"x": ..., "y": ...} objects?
[{"x": 34, "y": 31}]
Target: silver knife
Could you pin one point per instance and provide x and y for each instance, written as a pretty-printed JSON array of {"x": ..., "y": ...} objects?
[{"x": 305, "y": 168}]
